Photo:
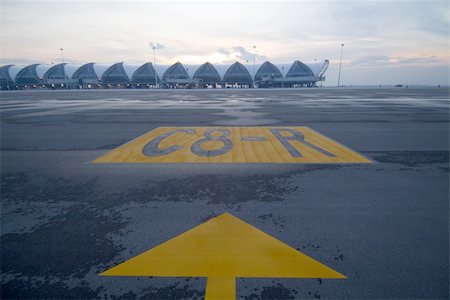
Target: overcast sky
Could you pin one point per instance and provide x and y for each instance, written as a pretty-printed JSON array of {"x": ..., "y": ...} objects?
[{"x": 385, "y": 42}]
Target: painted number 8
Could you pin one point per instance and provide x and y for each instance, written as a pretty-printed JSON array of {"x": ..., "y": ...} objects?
[{"x": 227, "y": 143}]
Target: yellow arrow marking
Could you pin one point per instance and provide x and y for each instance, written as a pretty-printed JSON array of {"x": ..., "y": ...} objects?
[
  {"x": 222, "y": 249},
  {"x": 218, "y": 288},
  {"x": 248, "y": 145}
]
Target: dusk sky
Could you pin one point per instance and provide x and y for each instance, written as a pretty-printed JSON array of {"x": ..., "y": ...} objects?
[{"x": 386, "y": 42}]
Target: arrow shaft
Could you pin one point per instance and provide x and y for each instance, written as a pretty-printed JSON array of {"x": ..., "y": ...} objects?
[{"x": 218, "y": 288}]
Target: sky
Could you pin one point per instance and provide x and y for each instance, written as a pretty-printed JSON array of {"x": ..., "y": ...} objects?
[{"x": 385, "y": 42}]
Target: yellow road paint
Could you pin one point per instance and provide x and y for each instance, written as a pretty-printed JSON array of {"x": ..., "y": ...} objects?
[
  {"x": 222, "y": 249},
  {"x": 219, "y": 288},
  {"x": 232, "y": 145}
]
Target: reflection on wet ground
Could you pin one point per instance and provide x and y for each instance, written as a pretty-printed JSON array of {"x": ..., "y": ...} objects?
[{"x": 64, "y": 219}]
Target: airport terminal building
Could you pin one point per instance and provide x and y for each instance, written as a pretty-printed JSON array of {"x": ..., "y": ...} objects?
[{"x": 176, "y": 76}]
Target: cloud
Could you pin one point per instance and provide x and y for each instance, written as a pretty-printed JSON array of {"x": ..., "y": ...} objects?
[
  {"x": 383, "y": 60},
  {"x": 419, "y": 60},
  {"x": 224, "y": 51},
  {"x": 370, "y": 60},
  {"x": 240, "y": 53}
]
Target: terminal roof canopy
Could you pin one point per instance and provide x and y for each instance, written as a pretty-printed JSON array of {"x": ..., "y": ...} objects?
[
  {"x": 122, "y": 74},
  {"x": 267, "y": 71},
  {"x": 145, "y": 74},
  {"x": 115, "y": 74},
  {"x": 85, "y": 72},
  {"x": 237, "y": 73},
  {"x": 28, "y": 75},
  {"x": 4, "y": 73},
  {"x": 299, "y": 69},
  {"x": 56, "y": 72},
  {"x": 176, "y": 71},
  {"x": 207, "y": 73}
]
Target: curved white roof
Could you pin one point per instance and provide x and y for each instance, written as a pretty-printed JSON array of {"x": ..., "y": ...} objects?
[
  {"x": 69, "y": 69},
  {"x": 191, "y": 68},
  {"x": 315, "y": 66},
  {"x": 41, "y": 69},
  {"x": 14, "y": 70},
  {"x": 100, "y": 69},
  {"x": 130, "y": 69},
  {"x": 160, "y": 69}
]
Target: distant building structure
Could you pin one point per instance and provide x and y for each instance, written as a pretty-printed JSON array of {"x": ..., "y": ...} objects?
[
  {"x": 6, "y": 80},
  {"x": 120, "y": 75},
  {"x": 237, "y": 76},
  {"x": 145, "y": 76},
  {"x": 267, "y": 76},
  {"x": 299, "y": 74},
  {"x": 115, "y": 76},
  {"x": 28, "y": 76},
  {"x": 176, "y": 76},
  {"x": 85, "y": 76},
  {"x": 56, "y": 77},
  {"x": 207, "y": 76}
]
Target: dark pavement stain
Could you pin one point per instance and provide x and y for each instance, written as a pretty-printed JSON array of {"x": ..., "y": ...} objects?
[
  {"x": 21, "y": 289},
  {"x": 21, "y": 187},
  {"x": 279, "y": 292},
  {"x": 276, "y": 220},
  {"x": 316, "y": 294},
  {"x": 266, "y": 216},
  {"x": 305, "y": 169},
  {"x": 129, "y": 295},
  {"x": 26, "y": 188},
  {"x": 215, "y": 189},
  {"x": 339, "y": 257},
  {"x": 70, "y": 244},
  {"x": 412, "y": 158},
  {"x": 221, "y": 189},
  {"x": 311, "y": 247},
  {"x": 172, "y": 292}
]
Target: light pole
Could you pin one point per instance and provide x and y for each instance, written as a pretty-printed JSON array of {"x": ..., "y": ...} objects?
[
  {"x": 64, "y": 72},
  {"x": 154, "y": 64},
  {"x": 254, "y": 63},
  {"x": 62, "y": 55},
  {"x": 340, "y": 65}
]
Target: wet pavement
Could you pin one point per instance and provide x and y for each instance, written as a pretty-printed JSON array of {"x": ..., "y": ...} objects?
[{"x": 64, "y": 219}]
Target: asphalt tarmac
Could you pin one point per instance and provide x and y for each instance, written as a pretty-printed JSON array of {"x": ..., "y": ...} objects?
[{"x": 65, "y": 219}]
